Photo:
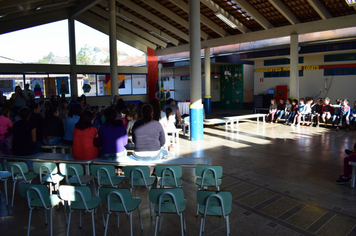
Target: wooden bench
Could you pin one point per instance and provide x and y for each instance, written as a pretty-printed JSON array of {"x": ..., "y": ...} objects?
[
  {"x": 353, "y": 180},
  {"x": 257, "y": 109},
  {"x": 232, "y": 119},
  {"x": 206, "y": 122}
]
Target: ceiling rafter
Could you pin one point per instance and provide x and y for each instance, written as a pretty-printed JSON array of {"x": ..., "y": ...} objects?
[
  {"x": 205, "y": 20},
  {"x": 154, "y": 18},
  {"x": 122, "y": 34},
  {"x": 254, "y": 14},
  {"x": 129, "y": 27},
  {"x": 320, "y": 9},
  {"x": 142, "y": 23},
  {"x": 173, "y": 16},
  {"x": 285, "y": 11},
  {"x": 83, "y": 6},
  {"x": 216, "y": 8}
]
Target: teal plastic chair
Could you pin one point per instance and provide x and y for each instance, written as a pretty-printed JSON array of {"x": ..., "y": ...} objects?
[
  {"x": 169, "y": 175},
  {"x": 19, "y": 172},
  {"x": 139, "y": 176},
  {"x": 212, "y": 203},
  {"x": 48, "y": 173},
  {"x": 168, "y": 200},
  {"x": 38, "y": 196},
  {"x": 120, "y": 200},
  {"x": 79, "y": 198},
  {"x": 4, "y": 175},
  {"x": 74, "y": 174},
  {"x": 105, "y": 175},
  {"x": 208, "y": 176}
]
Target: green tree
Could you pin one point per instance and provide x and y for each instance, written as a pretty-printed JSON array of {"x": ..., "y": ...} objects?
[
  {"x": 107, "y": 59},
  {"x": 84, "y": 56},
  {"x": 46, "y": 59}
]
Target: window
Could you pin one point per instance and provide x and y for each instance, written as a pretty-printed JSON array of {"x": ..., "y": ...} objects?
[
  {"x": 9, "y": 82},
  {"x": 126, "y": 85},
  {"x": 340, "y": 71},
  {"x": 139, "y": 84},
  {"x": 281, "y": 61},
  {"x": 340, "y": 57},
  {"x": 280, "y": 74}
]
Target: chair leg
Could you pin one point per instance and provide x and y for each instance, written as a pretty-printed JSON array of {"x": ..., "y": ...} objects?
[
  {"x": 227, "y": 226},
  {"x": 151, "y": 209},
  {"x": 5, "y": 186},
  {"x": 50, "y": 221},
  {"x": 50, "y": 188},
  {"x": 136, "y": 191},
  {"x": 181, "y": 223},
  {"x": 118, "y": 219},
  {"x": 13, "y": 194},
  {"x": 93, "y": 222},
  {"x": 65, "y": 212},
  {"x": 197, "y": 211},
  {"x": 80, "y": 219},
  {"x": 201, "y": 226},
  {"x": 156, "y": 225},
  {"x": 139, "y": 215},
  {"x": 160, "y": 223},
  {"x": 185, "y": 224},
  {"x": 29, "y": 223},
  {"x": 102, "y": 213},
  {"x": 68, "y": 225},
  {"x": 46, "y": 223},
  {"x": 107, "y": 223},
  {"x": 131, "y": 233}
]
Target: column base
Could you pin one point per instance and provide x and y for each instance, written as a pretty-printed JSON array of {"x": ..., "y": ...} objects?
[
  {"x": 196, "y": 124},
  {"x": 207, "y": 105}
]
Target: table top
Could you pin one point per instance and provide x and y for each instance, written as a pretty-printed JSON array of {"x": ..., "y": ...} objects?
[{"x": 183, "y": 107}]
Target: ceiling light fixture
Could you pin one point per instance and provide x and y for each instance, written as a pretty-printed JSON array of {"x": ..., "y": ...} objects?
[
  {"x": 51, "y": 5},
  {"x": 226, "y": 20},
  {"x": 123, "y": 17},
  {"x": 160, "y": 37}
]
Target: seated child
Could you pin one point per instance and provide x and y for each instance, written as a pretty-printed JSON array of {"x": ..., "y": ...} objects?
[
  {"x": 288, "y": 108},
  {"x": 337, "y": 111},
  {"x": 280, "y": 109},
  {"x": 305, "y": 112},
  {"x": 317, "y": 111},
  {"x": 326, "y": 111},
  {"x": 345, "y": 114},
  {"x": 353, "y": 115},
  {"x": 346, "y": 176},
  {"x": 293, "y": 111},
  {"x": 299, "y": 111},
  {"x": 272, "y": 110}
]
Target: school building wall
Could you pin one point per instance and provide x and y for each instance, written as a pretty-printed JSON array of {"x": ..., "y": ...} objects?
[{"x": 313, "y": 82}]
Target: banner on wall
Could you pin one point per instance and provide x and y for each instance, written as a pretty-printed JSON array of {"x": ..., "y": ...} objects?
[
  {"x": 37, "y": 86},
  {"x": 62, "y": 85},
  {"x": 50, "y": 86},
  {"x": 108, "y": 83},
  {"x": 6, "y": 86}
]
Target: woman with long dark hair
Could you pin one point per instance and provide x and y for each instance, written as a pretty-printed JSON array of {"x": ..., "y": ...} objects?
[
  {"x": 149, "y": 137},
  {"x": 83, "y": 137},
  {"x": 112, "y": 136},
  {"x": 156, "y": 109}
]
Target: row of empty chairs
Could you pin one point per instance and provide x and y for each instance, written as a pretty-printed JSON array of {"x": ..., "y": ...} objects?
[{"x": 119, "y": 200}]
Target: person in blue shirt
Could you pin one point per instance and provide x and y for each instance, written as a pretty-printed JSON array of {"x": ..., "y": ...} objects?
[
  {"x": 299, "y": 111},
  {"x": 345, "y": 115},
  {"x": 73, "y": 117}
]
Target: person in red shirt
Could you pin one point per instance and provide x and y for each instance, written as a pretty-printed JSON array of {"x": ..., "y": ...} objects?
[{"x": 83, "y": 137}]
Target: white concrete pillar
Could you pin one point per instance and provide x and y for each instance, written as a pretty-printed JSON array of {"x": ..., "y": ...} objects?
[
  {"x": 294, "y": 66},
  {"x": 73, "y": 57},
  {"x": 196, "y": 107},
  {"x": 113, "y": 48}
]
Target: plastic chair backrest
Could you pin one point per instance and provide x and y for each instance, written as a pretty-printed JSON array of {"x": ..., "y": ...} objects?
[
  {"x": 155, "y": 194},
  {"x": 137, "y": 171},
  {"x": 1, "y": 169},
  {"x": 31, "y": 189},
  {"x": 68, "y": 169},
  {"x": 222, "y": 198},
  {"x": 102, "y": 173},
  {"x": 45, "y": 168},
  {"x": 17, "y": 167},
  {"x": 74, "y": 193},
  {"x": 199, "y": 170},
  {"x": 159, "y": 169}
]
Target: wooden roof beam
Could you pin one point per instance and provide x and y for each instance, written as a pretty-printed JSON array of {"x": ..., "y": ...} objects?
[
  {"x": 285, "y": 11},
  {"x": 320, "y": 9},
  {"x": 247, "y": 7}
]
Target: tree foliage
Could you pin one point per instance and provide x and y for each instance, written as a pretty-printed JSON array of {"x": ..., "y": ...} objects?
[
  {"x": 84, "y": 56},
  {"x": 46, "y": 59}
]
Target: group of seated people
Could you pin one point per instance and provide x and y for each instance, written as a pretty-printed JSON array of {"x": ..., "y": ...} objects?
[
  {"x": 91, "y": 131},
  {"x": 310, "y": 113}
]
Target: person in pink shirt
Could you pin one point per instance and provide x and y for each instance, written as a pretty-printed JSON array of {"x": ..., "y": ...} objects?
[{"x": 5, "y": 123}]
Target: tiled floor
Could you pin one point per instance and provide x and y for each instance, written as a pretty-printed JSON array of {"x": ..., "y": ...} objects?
[{"x": 281, "y": 178}]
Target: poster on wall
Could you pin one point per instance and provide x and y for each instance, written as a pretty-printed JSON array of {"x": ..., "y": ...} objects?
[
  {"x": 62, "y": 85},
  {"x": 50, "y": 86},
  {"x": 139, "y": 82},
  {"x": 6, "y": 86},
  {"x": 37, "y": 86}
]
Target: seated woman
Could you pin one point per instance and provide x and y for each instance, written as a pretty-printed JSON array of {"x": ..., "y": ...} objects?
[
  {"x": 5, "y": 123},
  {"x": 53, "y": 129},
  {"x": 83, "y": 137},
  {"x": 24, "y": 132},
  {"x": 112, "y": 136},
  {"x": 73, "y": 117},
  {"x": 345, "y": 178},
  {"x": 37, "y": 120},
  {"x": 149, "y": 137}
]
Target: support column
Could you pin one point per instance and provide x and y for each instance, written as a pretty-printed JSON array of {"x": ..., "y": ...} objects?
[
  {"x": 196, "y": 106},
  {"x": 294, "y": 67},
  {"x": 113, "y": 49},
  {"x": 73, "y": 57},
  {"x": 207, "y": 98}
]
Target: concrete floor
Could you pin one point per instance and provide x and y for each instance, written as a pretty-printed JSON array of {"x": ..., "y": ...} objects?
[{"x": 281, "y": 178}]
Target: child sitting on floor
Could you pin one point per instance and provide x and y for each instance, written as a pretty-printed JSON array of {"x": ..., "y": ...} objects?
[
  {"x": 326, "y": 111},
  {"x": 280, "y": 109},
  {"x": 272, "y": 110}
]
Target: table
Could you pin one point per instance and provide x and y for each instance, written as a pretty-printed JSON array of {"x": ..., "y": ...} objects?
[
  {"x": 175, "y": 135},
  {"x": 50, "y": 157},
  {"x": 184, "y": 108},
  {"x": 232, "y": 119}
]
